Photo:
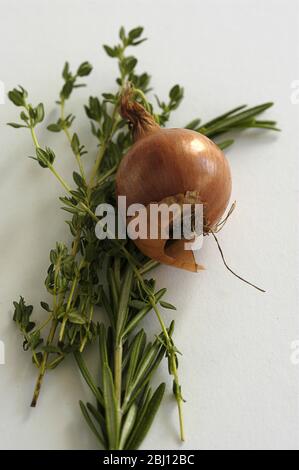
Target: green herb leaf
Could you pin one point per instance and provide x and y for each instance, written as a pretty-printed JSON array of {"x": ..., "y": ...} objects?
[
  {"x": 15, "y": 125},
  {"x": 112, "y": 52},
  {"x": 129, "y": 63},
  {"x": 75, "y": 317},
  {"x": 45, "y": 157},
  {"x": 54, "y": 127},
  {"x": 129, "y": 422},
  {"x": 40, "y": 113},
  {"x": 146, "y": 419},
  {"x": 135, "y": 33},
  {"x": 111, "y": 411},
  {"x": 84, "y": 69},
  {"x": 66, "y": 71},
  {"x": 75, "y": 144},
  {"x": 135, "y": 356},
  {"x": 18, "y": 96},
  {"x": 45, "y": 306},
  {"x": 90, "y": 422},
  {"x": 225, "y": 144},
  {"x": 87, "y": 377},
  {"x": 167, "y": 305},
  {"x": 193, "y": 124}
]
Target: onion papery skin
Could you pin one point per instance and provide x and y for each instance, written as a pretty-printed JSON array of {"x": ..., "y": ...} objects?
[
  {"x": 171, "y": 161},
  {"x": 167, "y": 162}
]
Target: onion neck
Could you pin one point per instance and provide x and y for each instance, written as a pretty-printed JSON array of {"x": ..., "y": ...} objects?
[{"x": 141, "y": 121}]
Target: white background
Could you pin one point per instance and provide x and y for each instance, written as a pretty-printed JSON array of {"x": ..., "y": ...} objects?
[{"x": 240, "y": 385}]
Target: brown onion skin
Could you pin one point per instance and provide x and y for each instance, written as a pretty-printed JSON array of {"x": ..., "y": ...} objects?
[{"x": 166, "y": 162}]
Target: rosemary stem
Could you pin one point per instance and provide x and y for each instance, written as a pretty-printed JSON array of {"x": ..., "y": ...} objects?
[{"x": 118, "y": 354}]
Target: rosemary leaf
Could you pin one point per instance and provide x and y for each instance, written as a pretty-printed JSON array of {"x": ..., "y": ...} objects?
[
  {"x": 146, "y": 419},
  {"x": 110, "y": 405},
  {"x": 90, "y": 423}
]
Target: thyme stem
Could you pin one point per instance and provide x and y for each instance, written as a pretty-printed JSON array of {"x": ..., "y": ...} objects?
[
  {"x": 43, "y": 366},
  {"x": 174, "y": 370},
  {"x": 69, "y": 138},
  {"x": 103, "y": 148},
  {"x": 50, "y": 166}
]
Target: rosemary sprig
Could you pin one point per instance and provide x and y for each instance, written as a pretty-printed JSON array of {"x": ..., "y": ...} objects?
[
  {"x": 238, "y": 118},
  {"x": 90, "y": 276}
]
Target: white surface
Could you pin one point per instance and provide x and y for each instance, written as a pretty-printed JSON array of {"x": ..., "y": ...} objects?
[{"x": 241, "y": 388}]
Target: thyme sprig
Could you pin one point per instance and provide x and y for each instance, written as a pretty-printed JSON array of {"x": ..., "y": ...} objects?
[{"x": 88, "y": 277}]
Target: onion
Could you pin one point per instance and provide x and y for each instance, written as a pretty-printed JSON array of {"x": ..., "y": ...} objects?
[{"x": 164, "y": 163}]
